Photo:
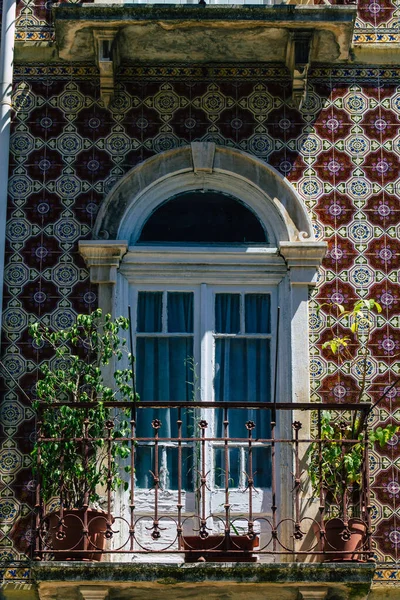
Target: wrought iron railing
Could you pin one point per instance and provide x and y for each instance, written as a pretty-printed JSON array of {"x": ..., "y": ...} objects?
[{"x": 194, "y": 491}]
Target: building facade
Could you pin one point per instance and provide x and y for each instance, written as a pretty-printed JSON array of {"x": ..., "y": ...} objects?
[{"x": 110, "y": 111}]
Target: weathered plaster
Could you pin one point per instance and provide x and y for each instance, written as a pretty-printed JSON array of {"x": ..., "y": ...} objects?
[{"x": 188, "y": 32}]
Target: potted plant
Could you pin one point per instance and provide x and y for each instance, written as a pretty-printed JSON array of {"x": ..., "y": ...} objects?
[
  {"x": 335, "y": 463},
  {"x": 74, "y": 454},
  {"x": 219, "y": 548}
]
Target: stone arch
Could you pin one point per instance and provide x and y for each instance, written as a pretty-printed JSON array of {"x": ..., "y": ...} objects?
[{"x": 203, "y": 165}]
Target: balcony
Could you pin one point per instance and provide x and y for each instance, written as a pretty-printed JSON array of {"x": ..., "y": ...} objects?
[
  {"x": 205, "y": 485},
  {"x": 292, "y": 34},
  {"x": 192, "y": 492}
]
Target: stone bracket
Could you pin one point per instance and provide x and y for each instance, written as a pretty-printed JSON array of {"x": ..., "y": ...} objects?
[
  {"x": 303, "y": 260},
  {"x": 298, "y": 58},
  {"x": 93, "y": 592},
  {"x": 107, "y": 60},
  {"x": 312, "y": 593}
]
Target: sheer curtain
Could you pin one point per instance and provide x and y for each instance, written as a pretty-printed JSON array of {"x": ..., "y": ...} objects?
[
  {"x": 164, "y": 351},
  {"x": 165, "y": 372},
  {"x": 242, "y": 374}
]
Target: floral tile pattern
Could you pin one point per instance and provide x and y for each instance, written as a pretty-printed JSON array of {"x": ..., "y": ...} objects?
[{"x": 341, "y": 153}]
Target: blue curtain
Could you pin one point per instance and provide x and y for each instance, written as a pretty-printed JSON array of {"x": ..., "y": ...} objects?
[
  {"x": 242, "y": 374},
  {"x": 164, "y": 373}
]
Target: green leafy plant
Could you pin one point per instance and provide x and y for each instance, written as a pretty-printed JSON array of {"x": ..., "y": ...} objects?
[
  {"x": 359, "y": 322},
  {"x": 72, "y": 460},
  {"x": 335, "y": 463}
]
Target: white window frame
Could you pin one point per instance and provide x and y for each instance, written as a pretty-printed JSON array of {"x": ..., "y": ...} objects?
[
  {"x": 204, "y": 337},
  {"x": 229, "y": 269}
]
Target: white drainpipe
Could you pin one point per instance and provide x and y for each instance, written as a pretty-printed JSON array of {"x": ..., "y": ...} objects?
[{"x": 6, "y": 78}]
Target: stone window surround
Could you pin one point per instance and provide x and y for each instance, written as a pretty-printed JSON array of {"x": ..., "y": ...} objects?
[{"x": 290, "y": 261}]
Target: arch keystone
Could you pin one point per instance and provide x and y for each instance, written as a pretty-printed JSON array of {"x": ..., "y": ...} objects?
[{"x": 203, "y": 156}]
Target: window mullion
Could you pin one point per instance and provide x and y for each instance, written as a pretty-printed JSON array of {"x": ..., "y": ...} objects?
[
  {"x": 242, "y": 316},
  {"x": 164, "y": 313}
]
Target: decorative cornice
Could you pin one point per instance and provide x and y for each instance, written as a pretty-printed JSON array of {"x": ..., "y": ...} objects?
[
  {"x": 103, "y": 258},
  {"x": 194, "y": 265},
  {"x": 364, "y": 72},
  {"x": 303, "y": 260}
]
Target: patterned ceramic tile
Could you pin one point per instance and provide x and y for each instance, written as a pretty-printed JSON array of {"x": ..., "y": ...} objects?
[{"x": 340, "y": 152}]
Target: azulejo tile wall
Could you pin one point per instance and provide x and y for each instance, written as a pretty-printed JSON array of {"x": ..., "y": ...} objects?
[{"x": 341, "y": 152}]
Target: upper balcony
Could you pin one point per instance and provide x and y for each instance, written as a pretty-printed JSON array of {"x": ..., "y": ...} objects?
[
  {"x": 293, "y": 34},
  {"x": 146, "y": 32}
]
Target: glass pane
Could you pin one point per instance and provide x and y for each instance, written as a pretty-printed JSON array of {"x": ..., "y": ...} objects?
[
  {"x": 242, "y": 373},
  {"x": 257, "y": 313},
  {"x": 144, "y": 465},
  {"x": 203, "y": 217},
  {"x": 163, "y": 369},
  {"x": 188, "y": 469},
  {"x": 149, "y": 312},
  {"x": 233, "y": 467},
  {"x": 227, "y": 313},
  {"x": 261, "y": 459},
  {"x": 164, "y": 373},
  {"x": 180, "y": 312}
]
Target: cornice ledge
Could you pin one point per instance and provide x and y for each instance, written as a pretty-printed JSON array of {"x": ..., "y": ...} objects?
[
  {"x": 303, "y": 260},
  {"x": 103, "y": 258},
  {"x": 303, "y": 254}
]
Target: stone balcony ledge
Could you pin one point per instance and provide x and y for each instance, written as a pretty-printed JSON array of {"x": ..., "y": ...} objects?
[
  {"x": 187, "y": 32},
  {"x": 124, "y": 581}
]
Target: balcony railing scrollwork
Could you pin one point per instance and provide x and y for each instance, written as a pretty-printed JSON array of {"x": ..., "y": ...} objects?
[{"x": 209, "y": 481}]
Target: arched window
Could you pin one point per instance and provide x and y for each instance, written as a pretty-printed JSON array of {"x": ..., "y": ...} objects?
[
  {"x": 215, "y": 241},
  {"x": 203, "y": 217}
]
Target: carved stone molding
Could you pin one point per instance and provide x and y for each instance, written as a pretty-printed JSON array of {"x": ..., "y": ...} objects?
[
  {"x": 103, "y": 259},
  {"x": 303, "y": 260},
  {"x": 107, "y": 61},
  {"x": 258, "y": 185},
  {"x": 203, "y": 156}
]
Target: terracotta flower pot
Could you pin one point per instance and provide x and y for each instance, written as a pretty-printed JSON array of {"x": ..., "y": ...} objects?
[
  {"x": 339, "y": 547},
  {"x": 213, "y": 549},
  {"x": 72, "y": 537}
]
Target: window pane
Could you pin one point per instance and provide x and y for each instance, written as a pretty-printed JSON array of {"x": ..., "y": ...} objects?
[
  {"x": 188, "y": 468},
  {"x": 233, "y": 467},
  {"x": 180, "y": 312},
  {"x": 261, "y": 466},
  {"x": 227, "y": 313},
  {"x": 203, "y": 217},
  {"x": 257, "y": 313},
  {"x": 144, "y": 465},
  {"x": 149, "y": 312},
  {"x": 242, "y": 373},
  {"x": 163, "y": 370}
]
